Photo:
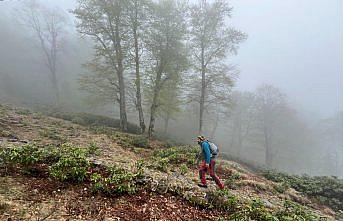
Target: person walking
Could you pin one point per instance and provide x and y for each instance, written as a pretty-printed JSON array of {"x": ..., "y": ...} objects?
[{"x": 208, "y": 163}]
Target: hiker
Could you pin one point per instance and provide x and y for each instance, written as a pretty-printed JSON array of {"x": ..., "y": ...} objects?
[{"x": 208, "y": 163}]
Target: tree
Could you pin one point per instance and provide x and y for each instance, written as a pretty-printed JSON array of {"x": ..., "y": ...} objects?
[
  {"x": 106, "y": 22},
  {"x": 166, "y": 49},
  {"x": 211, "y": 42},
  {"x": 242, "y": 118},
  {"x": 170, "y": 101},
  {"x": 331, "y": 131},
  {"x": 271, "y": 104},
  {"x": 101, "y": 83},
  {"x": 138, "y": 11},
  {"x": 49, "y": 27}
]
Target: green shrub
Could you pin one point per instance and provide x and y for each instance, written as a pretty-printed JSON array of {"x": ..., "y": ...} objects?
[
  {"x": 161, "y": 164},
  {"x": 93, "y": 148},
  {"x": 174, "y": 156},
  {"x": 296, "y": 212},
  {"x": 124, "y": 140},
  {"x": 183, "y": 169},
  {"x": 327, "y": 190},
  {"x": 231, "y": 181},
  {"x": 23, "y": 112},
  {"x": 87, "y": 119},
  {"x": 118, "y": 181},
  {"x": 78, "y": 120},
  {"x": 97, "y": 182},
  {"x": 140, "y": 141},
  {"x": 104, "y": 130},
  {"x": 26, "y": 155},
  {"x": 281, "y": 187},
  {"x": 28, "y": 159},
  {"x": 254, "y": 210},
  {"x": 72, "y": 166},
  {"x": 51, "y": 134},
  {"x": 223, "y": 199}
]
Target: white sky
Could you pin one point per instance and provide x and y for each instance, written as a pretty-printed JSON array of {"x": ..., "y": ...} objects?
[{"x": 295, "y": 45}]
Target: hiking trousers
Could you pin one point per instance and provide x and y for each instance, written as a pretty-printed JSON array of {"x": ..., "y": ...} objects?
[{"x": 211, "y": 170}]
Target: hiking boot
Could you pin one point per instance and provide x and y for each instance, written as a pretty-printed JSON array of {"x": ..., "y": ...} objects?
[{"x": 202, "y": 185}]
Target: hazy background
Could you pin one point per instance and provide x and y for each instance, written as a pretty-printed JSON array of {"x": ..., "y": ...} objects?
[{"x": 296, "y": 46}]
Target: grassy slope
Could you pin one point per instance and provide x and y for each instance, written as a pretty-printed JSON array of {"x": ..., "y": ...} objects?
[{"x": 43, "y": 198}]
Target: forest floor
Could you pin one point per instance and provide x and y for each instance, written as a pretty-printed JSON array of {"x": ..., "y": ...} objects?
[{"x": 41, "y": 197}]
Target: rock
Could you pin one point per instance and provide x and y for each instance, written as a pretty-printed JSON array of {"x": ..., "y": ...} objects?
[{"x": 268, "y": 204}]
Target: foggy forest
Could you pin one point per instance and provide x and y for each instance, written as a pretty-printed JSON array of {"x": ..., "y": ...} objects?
[{"x": 261, "y": 79}]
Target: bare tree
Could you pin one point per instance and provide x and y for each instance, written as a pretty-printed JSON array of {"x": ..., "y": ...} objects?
[
  {"x": 270, "y": 103},
  {"x": 211, "y": 41},
  {"x": 165, "y": 45},
  {"x": 241, "y": 118},
  {"x": 106, "y": 23},
  {"x": 138, "y": 11},
  {"x": 331, "y": 131},
  {"x": 49, "y": 28}
]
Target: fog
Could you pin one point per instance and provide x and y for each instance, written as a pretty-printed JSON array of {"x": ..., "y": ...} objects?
[
  {"x": 286, "y": 97},
  {"x": 296, "y": 46}
]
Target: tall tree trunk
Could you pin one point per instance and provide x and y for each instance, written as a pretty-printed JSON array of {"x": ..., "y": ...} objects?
[
  {"x": 266, "y": 133},
  {"x": 154, "y": 104},
  {"x": 213, "y": 133},
  {"x": 55, "y": 88},
  {"x": 166, "y": 124},
  {"x": 138, "y": 78},
  {"x": 269, "y": 157},
  {"x": 203, "y": 91},
  {"x": 152, "y": 117},
  {"x": 120, "y": 73}
]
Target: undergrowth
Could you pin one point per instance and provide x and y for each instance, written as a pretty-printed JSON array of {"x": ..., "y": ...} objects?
[
  {"x": 87, "y": 119},
  {"x": 326, "y": 190},
  {"x": 182, "y": 157},
  {"x": 70, "y": 164}
]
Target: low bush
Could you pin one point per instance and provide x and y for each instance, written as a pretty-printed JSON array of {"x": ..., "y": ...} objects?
[
  {"x": 93, "y": 148},
  {"x": 72, "y": 166},
  {"x": 326, "y": 190},
  {"x": 29, "y": 155},
  {"x": 140, "y": 141},
  {"x": 296, "y": 212},
  {"x": 175, "y": 156},
  {"x": 255, "y": 210},
  {"x": 87, "y": 119},
  {"x": 281, "y": 187},
  {"x": 117, "y": 180},
  {"x": 231, "y": 181},
  {"x": 67, "y": 163},
  {"x": 51, "y": 133},
  {"x": 23, "y": 112},
  {"x": 130, "y": 141},
  {"x": 223, "y": 199},
  {"x": 183, "y": 169}
]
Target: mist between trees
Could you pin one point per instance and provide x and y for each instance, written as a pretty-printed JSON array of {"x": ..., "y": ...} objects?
[{"x": 164, "y": 65}]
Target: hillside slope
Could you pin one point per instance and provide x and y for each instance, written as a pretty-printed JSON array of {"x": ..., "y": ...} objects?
[{"x": 126, "y": 177}]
